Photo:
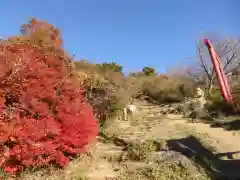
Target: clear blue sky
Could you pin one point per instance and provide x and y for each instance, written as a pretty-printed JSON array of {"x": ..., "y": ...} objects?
[{"x": 133, "y": 33}]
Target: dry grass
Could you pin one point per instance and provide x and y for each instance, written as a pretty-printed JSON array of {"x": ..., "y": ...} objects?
[
  {"x": 76, "y": 170},
  {"x": 139, "y": 150},
  {"x": 87, "y": 167},
  {"x": 163, "y": 172}
]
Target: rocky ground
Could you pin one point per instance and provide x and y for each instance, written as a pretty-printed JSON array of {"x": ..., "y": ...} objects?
[{"x": 154, "y": 145}]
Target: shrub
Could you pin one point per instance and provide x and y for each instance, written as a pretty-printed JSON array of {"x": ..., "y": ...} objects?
[
  {"x": 111, "y": 66},
  {"x": 43, "y": 116},
  {"x": 139, "y": 151},
  {"x": 167, "y": 89},
  {"x": 149, "y": 71},
  {"x": 218, "y": 106},
  {"x": 105, "y": 89}
]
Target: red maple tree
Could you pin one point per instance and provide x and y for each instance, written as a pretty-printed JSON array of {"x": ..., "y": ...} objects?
[{"x": 43, "y": 116}]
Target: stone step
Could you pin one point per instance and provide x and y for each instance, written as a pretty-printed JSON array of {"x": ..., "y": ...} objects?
[
  {"x": 131, "y": 138},
  {"x": 111, "y": 155},
  {"x": 101, "y": 171},
  {"x": 102, "y": 146},
  {"x": 132, "y": 166}
]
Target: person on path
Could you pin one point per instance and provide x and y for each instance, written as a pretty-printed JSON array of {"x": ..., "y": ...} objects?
[{"x": 199, "y": 103}]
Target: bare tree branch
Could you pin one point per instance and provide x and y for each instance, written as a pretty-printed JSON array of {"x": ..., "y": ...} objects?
[{"x": 203, "y": 65}]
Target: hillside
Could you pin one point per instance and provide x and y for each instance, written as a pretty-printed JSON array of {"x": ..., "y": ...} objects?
[{"x": 155, "y": 146}]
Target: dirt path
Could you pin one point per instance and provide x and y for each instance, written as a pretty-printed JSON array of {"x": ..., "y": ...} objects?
[
  {"x": 227, "y": 141},
  {"x": 151, "y": 124}
]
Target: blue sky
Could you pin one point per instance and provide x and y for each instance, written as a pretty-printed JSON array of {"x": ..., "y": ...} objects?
[{"x": 133, "y": 33}]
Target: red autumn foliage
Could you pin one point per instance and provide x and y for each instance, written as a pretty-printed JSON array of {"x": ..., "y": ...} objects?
[
  {"x": 44, "y": 36},
  {"x": 43, "y": 116},
  {"x": 42, "y": 33}
]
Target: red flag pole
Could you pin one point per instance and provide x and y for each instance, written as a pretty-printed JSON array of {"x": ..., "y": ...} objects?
[
  {"x": 222, "y": 80},
  {"x": 225, "y": 80}
]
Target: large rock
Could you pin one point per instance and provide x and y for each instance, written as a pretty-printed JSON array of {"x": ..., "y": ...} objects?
[{"x": 173, "y": 158}]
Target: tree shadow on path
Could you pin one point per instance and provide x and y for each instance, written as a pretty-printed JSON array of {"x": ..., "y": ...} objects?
[
  {"x": 232, "y": 125},
  {"x": 214, "y": 166}
]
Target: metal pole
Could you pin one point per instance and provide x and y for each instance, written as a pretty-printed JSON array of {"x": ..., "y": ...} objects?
[{"x": 225, "y": 91}]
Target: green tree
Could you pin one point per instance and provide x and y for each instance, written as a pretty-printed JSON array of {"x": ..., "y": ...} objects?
[
  {"x": 111, "y": 66},
  {"x": 149, "y": 71}
]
